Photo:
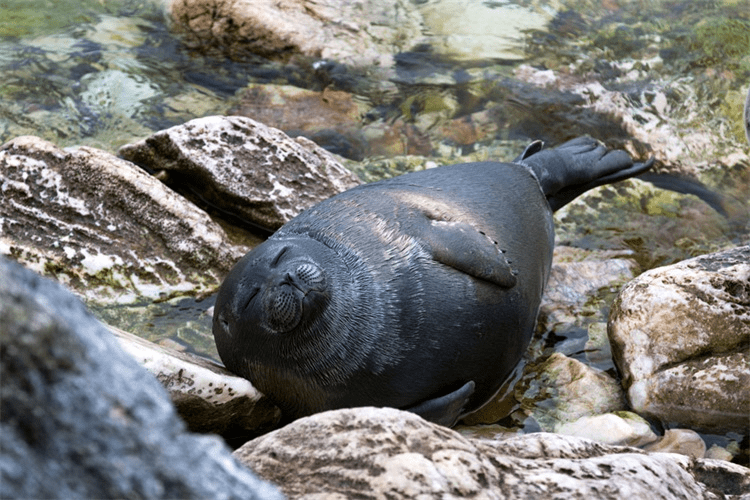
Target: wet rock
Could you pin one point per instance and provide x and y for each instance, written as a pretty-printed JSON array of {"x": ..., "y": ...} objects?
[
  {"x": 679, "y": 337},
  {"x": 386, "y": 453},
  {"x": 621, "y": 428},
  {"x": 365, "y": 33},
  {"x": 208, "y": 397},
  {"x": 682, "y": 441},
  {"x": 561, "y": 390},
  {"x": 243, "y": 167},
  {"x": 103, "y": 226},
  {"x": 81, "y": 419},
  {"x": 575, "y": 280}
]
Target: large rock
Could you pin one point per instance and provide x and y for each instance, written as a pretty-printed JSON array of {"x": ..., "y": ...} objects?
[
  {"x": 103, "y": 226},
  {"x": 360, "y": 33},
  {"x": 679, "y": 337},
  {"x": 246, "y": 168},
  {"x": 387, "y": 453},
  {"x": 206, "y": 395},
  {"x": 81, "y": 419}
]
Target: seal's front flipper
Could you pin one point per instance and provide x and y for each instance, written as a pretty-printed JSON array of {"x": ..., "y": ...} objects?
[
  {"x": 464, "y": 248},
  {"x": 573, "y": 168},
  {"x": 445, "y": 410}
]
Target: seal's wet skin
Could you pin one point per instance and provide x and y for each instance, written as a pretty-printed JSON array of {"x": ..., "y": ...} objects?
[{"x": 419, "y": 292}]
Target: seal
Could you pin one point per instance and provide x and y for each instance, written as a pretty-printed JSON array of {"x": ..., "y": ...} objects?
[{"x": 419, "y": 292}]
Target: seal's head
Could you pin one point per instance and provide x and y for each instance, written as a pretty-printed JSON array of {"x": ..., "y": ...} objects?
[{"x": 275, "y": 291}]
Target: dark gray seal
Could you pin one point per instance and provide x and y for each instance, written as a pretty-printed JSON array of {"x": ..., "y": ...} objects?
[{"x": 419, "y": 292}]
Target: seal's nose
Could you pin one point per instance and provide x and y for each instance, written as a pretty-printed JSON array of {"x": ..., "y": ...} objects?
[{"x": 305, "y": 277}]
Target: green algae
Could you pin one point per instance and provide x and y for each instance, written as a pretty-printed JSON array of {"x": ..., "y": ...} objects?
[
  {"x": 25, "y": 18},
  {"x": 722, "y": 42}
]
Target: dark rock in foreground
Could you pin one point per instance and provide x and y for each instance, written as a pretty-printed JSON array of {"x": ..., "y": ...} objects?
[{"x": 81, "y": 419}]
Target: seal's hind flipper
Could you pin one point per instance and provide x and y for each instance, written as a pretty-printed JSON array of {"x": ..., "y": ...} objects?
[
  {"x": 445, "y": 410},
  {"x": 464, "y": 248},
  {"x": 573, "y": 168}
]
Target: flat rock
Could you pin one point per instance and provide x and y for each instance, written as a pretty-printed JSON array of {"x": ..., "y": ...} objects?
[
  {"x": 243, "y": 167},
  {"x": 81, "y": 419},
  {"x": 103, "y": 226},
  {"x": 387, "y": 453},
  {"x": 361, "y": 33},
  {"x": 679, "y": 337},
  {"x": 208, "y": 397}
]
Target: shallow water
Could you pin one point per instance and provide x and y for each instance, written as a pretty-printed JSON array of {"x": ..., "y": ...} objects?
[{"x": 107, "y": 73}]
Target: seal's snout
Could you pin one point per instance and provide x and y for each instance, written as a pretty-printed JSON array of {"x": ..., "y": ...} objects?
[{"x": 284, "y": 308}]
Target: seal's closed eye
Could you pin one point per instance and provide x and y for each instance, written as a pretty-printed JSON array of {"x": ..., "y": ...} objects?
[{"x": 277, "y": 259}]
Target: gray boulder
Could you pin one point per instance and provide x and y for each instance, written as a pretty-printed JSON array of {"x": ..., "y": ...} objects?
[
  {"x": 679, "y": 337},
  {"x": 81, "y": 419},
  {"x": 253, "y": 171}
]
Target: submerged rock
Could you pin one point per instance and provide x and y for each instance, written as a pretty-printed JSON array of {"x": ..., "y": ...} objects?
[
  {"x": 208, "y": 397},
  {"x": 103, "y": 226},
  {"x": 476, "y": 31},
  {"x": 81, "y": 419},
  {"x": 363, "y": 33},
  {"x": 679, "y": 337},
  {"x": 243, "y": 167},
  {"x": 330, "y": 118},
  {"x": 387, "y": 453}
]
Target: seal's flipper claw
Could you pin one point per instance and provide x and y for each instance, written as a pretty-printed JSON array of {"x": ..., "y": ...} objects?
[
  {"x": 445, "y": 410},
  {"x": 531, "y": 149}
]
